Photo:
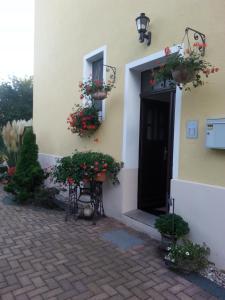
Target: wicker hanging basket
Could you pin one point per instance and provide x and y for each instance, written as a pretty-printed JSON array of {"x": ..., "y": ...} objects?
[
  {"x": 99, "y": 95},
  {"x": 183, "y": 75}
]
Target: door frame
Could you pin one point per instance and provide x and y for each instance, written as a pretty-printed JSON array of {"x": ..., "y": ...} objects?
[
  {"x": 131, "y": 118},
  {"x": 171, "y": 101}
]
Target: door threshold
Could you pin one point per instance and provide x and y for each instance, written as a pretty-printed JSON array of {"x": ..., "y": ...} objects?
[{"x": 142, "y": 217}]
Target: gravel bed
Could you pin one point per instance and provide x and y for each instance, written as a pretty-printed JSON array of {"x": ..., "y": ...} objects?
[{"x": 215, "y": 275}]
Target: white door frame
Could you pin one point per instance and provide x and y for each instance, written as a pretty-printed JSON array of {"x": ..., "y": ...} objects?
[{"x": 131, "y": 120}]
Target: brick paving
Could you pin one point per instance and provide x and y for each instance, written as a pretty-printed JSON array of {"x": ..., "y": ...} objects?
[{"x": 42, "y": 257}]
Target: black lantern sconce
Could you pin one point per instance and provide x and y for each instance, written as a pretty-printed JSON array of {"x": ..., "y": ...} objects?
[{"x": 142, "y": 23}]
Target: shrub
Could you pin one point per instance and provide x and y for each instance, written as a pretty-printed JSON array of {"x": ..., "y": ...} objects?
[
  {"x": 172, "y": 224},
  {"x": 85, "y": 166},
  {"x": 45, "y": 197},
  {"x": 28, "y": 175},
  {"x": 188, "y": 257}
]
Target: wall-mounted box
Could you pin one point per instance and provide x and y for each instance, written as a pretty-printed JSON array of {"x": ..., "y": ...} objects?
[
  {"x": 215, "y": 133},
  {"x": 192, "y": 129}
]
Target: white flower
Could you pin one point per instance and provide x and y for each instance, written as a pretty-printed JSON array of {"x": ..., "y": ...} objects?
[
  {"x": 173, "y": 260},
  {"x": 168, "y": 248},
  {"x": 187, "y": 253}
]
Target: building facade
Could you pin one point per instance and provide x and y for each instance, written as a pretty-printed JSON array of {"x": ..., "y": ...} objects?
[{"x": 70, "y": 37}]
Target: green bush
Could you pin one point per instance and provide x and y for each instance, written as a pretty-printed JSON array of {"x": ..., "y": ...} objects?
[
  {"x": 45, "y": 197},
  {"x": 86, "y": 165},
  {"x": 188, "y": 257},
  {"x": 172, "y": 225},
  {"x": 28, "y": 175}
]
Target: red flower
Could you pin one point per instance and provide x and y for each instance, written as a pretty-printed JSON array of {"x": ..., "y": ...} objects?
[
  {"x": 167, "y": 51},
  {"x": 105, "y": 165},
  {"x": 152, "y": 82},
  {"x": 11, "y": 171},
  {"x": 96, "y": 163},
  {"x": 81, "y": 97},
  {"x": 80, "y": 84},
  {"x": 200, "y": 45},
  {"x": 70, "y": 180}
]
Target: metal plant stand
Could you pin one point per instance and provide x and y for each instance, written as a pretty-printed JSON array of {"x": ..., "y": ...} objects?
[{"x": 76, "y": 192}]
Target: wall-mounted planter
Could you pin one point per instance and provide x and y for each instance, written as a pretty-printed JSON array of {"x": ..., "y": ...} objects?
[{"x": 84, "y": 121}]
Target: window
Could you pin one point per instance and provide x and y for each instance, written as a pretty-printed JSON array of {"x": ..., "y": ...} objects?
[
  {"x": 97, "y": 74},
  {"x": 94, "y": 65}
]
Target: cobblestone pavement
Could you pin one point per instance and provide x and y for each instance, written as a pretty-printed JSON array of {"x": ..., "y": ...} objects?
[{"x": 42, "y": 257}]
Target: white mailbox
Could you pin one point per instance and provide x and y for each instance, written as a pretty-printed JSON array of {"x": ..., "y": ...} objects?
[{"x": 215, "y": 133}]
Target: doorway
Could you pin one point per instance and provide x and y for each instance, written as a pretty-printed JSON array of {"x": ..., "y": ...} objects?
[{"x": 155, "y": 150}]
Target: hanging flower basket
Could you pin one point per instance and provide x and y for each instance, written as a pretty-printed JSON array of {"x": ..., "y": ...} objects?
[
  {"x": 184, "y": 69},
  {"x": 95, "y": 89},
  {"x": 84, "y": 121},
  {"x": 183, "y": 75},
  {"x": 99, "y": 95}
]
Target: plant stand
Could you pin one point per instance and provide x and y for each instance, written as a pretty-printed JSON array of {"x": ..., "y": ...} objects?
[{"x": 94, "y": 191}]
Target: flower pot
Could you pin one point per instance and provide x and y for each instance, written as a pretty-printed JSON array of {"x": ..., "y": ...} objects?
[
  {"x": 11, "y": 171},
  {"x": 167, "y": 240},
  {"x": 100, "y": 177},
  {"x": 183, "y": 75},
  {"x": 99, "y": 95}
]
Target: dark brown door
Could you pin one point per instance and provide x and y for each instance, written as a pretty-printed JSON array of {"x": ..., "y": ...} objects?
[{"x": 155, "y": 156}]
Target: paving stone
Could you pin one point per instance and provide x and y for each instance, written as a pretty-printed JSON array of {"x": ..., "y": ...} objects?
[{"x": 44, "y": 257}]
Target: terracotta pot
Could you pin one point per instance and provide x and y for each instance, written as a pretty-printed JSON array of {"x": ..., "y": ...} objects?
[
  {"x": 183, "y": 75},
  {"x": 99, "y": 95},
  {"x": 100, "y": 177},
  {"x": 11, "y": 171}
]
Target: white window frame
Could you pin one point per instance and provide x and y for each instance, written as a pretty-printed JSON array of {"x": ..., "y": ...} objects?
[{"x": 87, "y": 67}]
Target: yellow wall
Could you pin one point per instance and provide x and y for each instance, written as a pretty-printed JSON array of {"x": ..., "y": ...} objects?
[{"x": 66, "y": 30}]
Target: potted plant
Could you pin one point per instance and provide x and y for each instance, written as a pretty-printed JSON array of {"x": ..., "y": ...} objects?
[
  {"x": 84, "y": 121},
  {"x": 172, "y": 227},
  {"x": 87, "y": 166},
  {"x": 184, "y": 69},
  {"x": 95, "y": 89},
  {"x": 187, "y": 257}
]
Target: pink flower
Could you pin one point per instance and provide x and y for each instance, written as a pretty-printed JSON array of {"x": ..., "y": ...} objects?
[{"x": 167, "y": 51}]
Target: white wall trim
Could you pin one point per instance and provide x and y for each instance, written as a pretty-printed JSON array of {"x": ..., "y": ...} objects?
[
  {"x": 87, "y": 67},
  {"x": 131, "y": 119},
  {"x": 202, "y": 206}
]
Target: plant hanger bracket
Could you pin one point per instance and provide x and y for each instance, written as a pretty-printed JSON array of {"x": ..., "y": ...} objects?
[
  {"x": 197, "y": 35},
  {"x": 113, "y": 74}
]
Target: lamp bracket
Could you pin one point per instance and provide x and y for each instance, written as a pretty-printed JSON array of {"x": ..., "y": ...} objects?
[
  {"x": 197, "y": 35},
  {"x": 145, "y": 36},
  {"x": 113, "y": 74}
]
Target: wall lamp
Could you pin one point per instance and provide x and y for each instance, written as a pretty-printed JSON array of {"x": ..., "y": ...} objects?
[{"x": 142, "y": 23}]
